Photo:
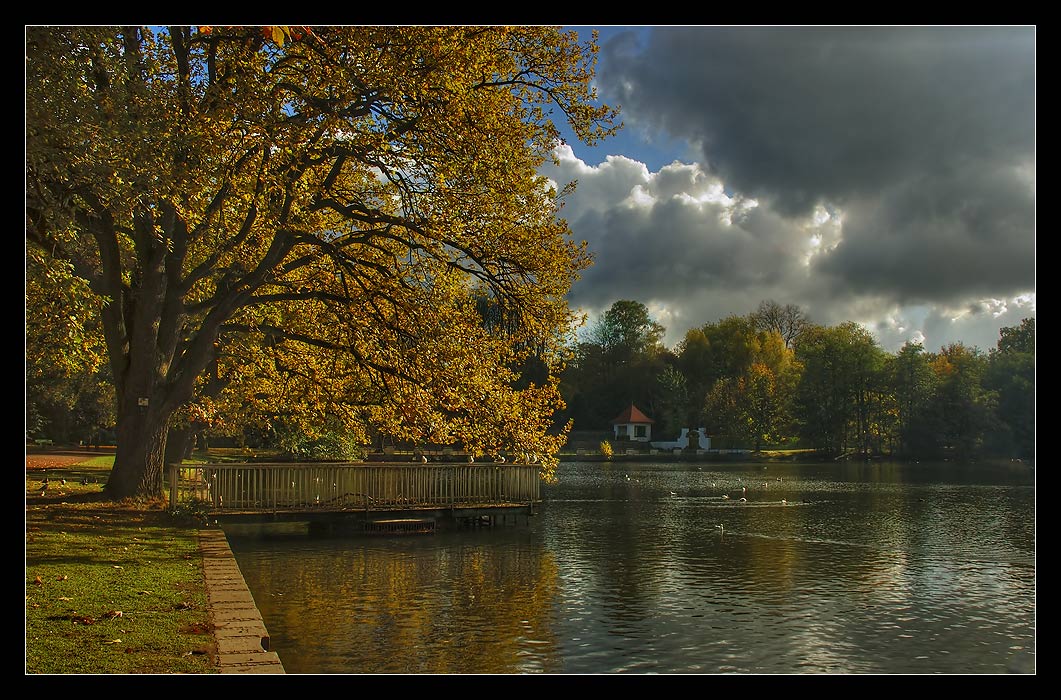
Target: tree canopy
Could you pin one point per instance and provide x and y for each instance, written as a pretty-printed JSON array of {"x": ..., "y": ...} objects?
[
  {"x": 300, "y": 223},
  {"x": 831, "y": 388}
]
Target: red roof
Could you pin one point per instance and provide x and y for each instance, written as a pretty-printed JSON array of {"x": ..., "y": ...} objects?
[{"x": 631, "y": 415}]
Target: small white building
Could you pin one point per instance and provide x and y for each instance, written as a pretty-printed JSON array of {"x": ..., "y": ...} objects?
[
  {"x": 633, "y": 425},
  {"x": 698, "y": 439}
]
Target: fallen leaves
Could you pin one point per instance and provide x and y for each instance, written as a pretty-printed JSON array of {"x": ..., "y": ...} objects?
[
  {"x": 39, "y": 581},
  {"x": 111, "y": 614}
]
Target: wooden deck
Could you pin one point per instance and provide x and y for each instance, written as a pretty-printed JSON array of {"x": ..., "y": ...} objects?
[{"x": 325, "y": 491}]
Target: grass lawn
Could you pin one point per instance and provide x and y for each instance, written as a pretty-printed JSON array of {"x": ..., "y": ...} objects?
[{"x": 111, "y": 588}]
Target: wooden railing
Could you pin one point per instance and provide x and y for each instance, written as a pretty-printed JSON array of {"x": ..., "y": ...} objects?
[{"x": 345, "y": 487}]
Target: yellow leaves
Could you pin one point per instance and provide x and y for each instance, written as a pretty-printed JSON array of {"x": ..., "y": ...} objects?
[
  {"x": 277, "y": 34},
  {"x": 368, "y": 142}
]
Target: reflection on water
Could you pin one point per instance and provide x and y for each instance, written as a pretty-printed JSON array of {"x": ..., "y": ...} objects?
[{"x": 635, "y": 567}]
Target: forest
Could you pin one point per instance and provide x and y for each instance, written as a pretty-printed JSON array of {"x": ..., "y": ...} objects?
[{"x": 774, "y": 378}]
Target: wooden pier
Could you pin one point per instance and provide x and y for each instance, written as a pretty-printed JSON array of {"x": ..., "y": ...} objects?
[{"x": 361, "y": 494}]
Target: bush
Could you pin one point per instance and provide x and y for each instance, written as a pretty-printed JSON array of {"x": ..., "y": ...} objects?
[
  {"x": 331, "y": 446},
  {"x": 606, "y": 449},
  {"x": 194, "y": 512}
]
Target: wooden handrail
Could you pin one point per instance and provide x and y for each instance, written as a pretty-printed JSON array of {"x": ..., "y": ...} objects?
[{"x": 321, "y": 487}]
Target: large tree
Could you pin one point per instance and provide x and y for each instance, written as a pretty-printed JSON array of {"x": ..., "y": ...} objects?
[
  {"x": 912, "y": 386},
  {"x": 68, "y": 393},
  {"x": 307, "y": 217},
  {"x": 837, "y": 399},
  {"x": 788, "y": 320},
  {"x": 626, "y": 332},
  {"x": 1010, "y": 373},
  {"x": 962, "y": 411}
]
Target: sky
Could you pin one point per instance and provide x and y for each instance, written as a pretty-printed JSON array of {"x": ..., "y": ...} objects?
[{"x": 883, "y": 175}]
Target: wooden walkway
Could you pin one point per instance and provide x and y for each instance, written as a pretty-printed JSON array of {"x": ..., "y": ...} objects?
[{"x": 321, "y": 491}]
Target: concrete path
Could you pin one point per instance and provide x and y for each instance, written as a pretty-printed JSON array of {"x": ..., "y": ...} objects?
[{"x": 242, "y": 640}]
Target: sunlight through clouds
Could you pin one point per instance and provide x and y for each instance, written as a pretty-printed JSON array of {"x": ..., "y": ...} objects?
[{"x": 885, "y": 176}]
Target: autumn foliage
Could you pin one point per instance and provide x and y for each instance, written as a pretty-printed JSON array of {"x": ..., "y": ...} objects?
[{"x": 300, "y": 226}]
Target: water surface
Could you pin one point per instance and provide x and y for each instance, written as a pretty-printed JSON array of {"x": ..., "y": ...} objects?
[{"x": 649, "y": 568}]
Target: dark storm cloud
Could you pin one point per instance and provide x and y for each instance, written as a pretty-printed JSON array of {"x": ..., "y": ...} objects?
[
  {"x": 939, "y": 239},
  {"x": 920, "y": 142},
  {"x": 683, "y": 251},
  {"x": 802, "y": 115}
]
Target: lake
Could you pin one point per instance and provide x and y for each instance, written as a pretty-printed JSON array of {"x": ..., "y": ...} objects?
[{"x": 649, "y": 568}]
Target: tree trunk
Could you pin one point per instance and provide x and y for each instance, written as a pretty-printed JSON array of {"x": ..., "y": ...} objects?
[
  {"x": 179, "y": 444},
  {"x": 139, "y": 463}
]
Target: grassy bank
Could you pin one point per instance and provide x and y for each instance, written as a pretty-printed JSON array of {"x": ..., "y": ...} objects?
[{"x": 111, "y": 588}]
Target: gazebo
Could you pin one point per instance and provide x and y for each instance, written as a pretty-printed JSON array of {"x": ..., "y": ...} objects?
[{"x": 632, "y": 424}]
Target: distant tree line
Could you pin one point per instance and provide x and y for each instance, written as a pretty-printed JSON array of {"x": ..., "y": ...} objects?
[{"x": 773, "y": 378}]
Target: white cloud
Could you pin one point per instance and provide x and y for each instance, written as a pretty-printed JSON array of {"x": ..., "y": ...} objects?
[{"x": 694, "y": 251}]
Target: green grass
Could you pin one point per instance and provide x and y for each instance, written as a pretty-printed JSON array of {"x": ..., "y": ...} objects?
[
  {"x": 87, "y": 560},
  {"x": 94, "y": 463}
]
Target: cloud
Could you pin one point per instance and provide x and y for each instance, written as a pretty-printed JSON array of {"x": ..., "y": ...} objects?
[
  {"x": 681, "y": 242},
  {"x": 676, "y": 239},
  {"x": 805, "y": 115},
  {"x": 938, "y": 239},
  {"x": 883, "y": 175}
]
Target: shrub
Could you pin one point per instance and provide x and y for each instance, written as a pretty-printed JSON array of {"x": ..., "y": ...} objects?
[
  {"x": 332, "y": 445},
  {"x": 606, "y": 449}
]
